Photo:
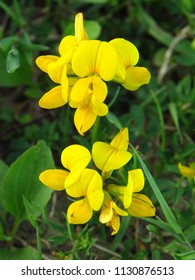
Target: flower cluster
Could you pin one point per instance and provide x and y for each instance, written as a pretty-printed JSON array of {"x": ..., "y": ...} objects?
[
  {"x": 93, "y": 188},
  {"x": 82, "y": 69}
]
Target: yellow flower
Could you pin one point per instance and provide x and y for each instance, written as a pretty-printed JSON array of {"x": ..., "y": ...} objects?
[
  {"x": 74, "y": 158},
  {"x": 187, "y": 171},
  {"x": 128, "y": 75},
  {"x": 59, "y": 67},
  {"x": 89, "y": 103},
  {"x": 108, "y": 157},
  {"x": 110, "y": 213},
  {"x": 99, "y": 61},
  {"x": 138, "y": 205},
  {"x": 88, "y": 186},
  {"x": 141, "y": 205}
]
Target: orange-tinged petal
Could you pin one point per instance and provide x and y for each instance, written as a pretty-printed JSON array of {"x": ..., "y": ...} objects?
[
  {"x": 44, "y": 60},
  {"x": 186, "y": 171},
  {"x": 52, "y": 99},
  {"x": 136, "y": 178},
  {"x": 80, "y": 32},
  {"x": 136, "y": 77},
  {"x": 84, "y": 118},
  {"x": 79, "y": 212},
  {"x": 141, "y": 206},
  {"x": 75, "y": 158},
  {"x": 54, "y": 178},
  {"x": 128, "y": 53}
]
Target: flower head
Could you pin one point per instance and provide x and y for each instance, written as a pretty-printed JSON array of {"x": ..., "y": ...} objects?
[
  {"x": 82, "y": 69},
  {"x": 96, "y": 192},
  {"x": 128, "y": 75},
  {"x": 108, "y": 157},
  {"x": 110, "y": 214}
]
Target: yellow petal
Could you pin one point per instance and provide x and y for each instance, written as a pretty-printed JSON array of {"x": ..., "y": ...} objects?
[
  {"x": 119, "y": 211},
  {"x": 89, "y": 184},
  {"x": 44, "y": 60},
  {"x": 54, "y": 178},
  {"x": 94, "y": 192},
  {"x": 55, "y": 69},
  {"x": 107, "y": 61},
  {"x": 100, "y": 109},
  {"x": 115, "y": 224},
  {"x": 85, "y": 55},
  {"x": 75, "y": 158},
  {"x": 106, "y": 213},
  {"x": 107, "y": 158},
  {"x": 52, "y": 99},
  {"x": 67, "y": 46},
  {"x": 141, "y": 206},
  {"x": 127, "y": 51},
  {"x": 79, "y": 212},
  {"x": 136, "y": 177},
  {"x": 121, "y": 140},
  {"x": 99, "y": 88},
  {"x": 84, "y": 118},
  {"x": 95, "y": 57},
  {"x": 65, "y": 84},
  {"x": 186, "y": 171},
  {"x": 81, "y": 92},
  {"x": 136, "y": 77},
  {"x": 80, "y": 32}
]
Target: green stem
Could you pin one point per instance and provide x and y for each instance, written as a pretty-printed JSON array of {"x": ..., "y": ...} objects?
[
  {"x": 162, "y": 126},
  {"x": 15, "y": 228},
  {"x": 95, "y": 130},
  {"x": 115, "y": 97}
]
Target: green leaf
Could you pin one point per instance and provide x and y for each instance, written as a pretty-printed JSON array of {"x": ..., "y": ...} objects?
[
  {"x": 27, "y": 253},
  {"x": 6, "y": 43},
  {"x": 20, "y": 77},
  {"x": 190, "y": 233},
  {"x": 93, "y": 29},
  {"x": 31, "y": 212},
  {"x": 185, "y": 256},
  {"x": 12, "y": 60},
  {"x": 22, "y": 180},
  {"x": 114, "y": 120},
  {"x": 174, "y": 115},
  {"x": 3, "y": 170}
]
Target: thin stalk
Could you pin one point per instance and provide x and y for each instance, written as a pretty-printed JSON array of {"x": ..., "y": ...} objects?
[
  {"x": 162, "y": 126},
  {"x": 115, "y": 97}
]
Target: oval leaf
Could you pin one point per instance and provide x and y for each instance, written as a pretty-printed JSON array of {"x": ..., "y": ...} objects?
[
  {"x": 12, "y": 60},
  {"x": 21, "y": 180}
]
